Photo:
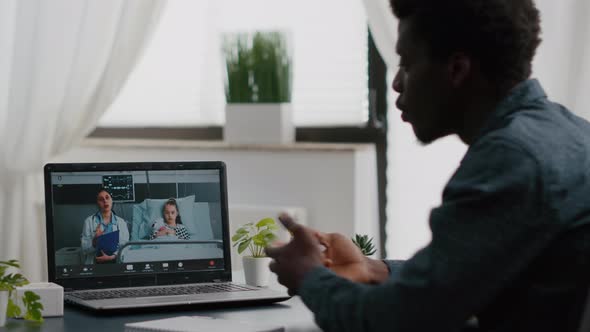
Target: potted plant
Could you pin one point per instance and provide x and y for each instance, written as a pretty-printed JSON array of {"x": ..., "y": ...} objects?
[
  {"x": 254, "y": 238},
  {"x": 365, "y": 244},
  {"x": 8, "y": 306},
  {"x": 258, "y": 84}
]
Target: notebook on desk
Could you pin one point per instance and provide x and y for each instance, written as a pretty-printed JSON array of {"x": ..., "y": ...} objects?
[
  {"x": 201, "y": 324},
  {"x": 190, "y": 264}
]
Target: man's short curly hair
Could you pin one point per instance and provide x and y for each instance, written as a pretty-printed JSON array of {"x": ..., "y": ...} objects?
[{"x": 502, "y": 34}]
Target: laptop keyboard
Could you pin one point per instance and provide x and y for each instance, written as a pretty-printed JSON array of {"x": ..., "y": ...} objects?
[{"x": 160, "y": 291}]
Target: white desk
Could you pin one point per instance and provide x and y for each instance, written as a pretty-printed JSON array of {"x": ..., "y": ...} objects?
[{"x": 292, "y": 314}]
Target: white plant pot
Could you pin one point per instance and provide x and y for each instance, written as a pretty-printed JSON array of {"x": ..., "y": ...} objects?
[
  {"x": 3, "y": 307},
  {"x": 264, "y": 123},
  {"x": 256, "y": 270}
]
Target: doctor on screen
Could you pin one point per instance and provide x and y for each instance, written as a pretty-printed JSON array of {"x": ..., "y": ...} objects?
[{"x": 103, "y": 222}]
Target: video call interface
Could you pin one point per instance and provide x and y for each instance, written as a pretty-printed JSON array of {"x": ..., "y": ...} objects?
[{"x": 136, "y": 222}]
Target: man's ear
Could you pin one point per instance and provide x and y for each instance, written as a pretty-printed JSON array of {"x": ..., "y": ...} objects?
[{"x": 459, "y": 68}]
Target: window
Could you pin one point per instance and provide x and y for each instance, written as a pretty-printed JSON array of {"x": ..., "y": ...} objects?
[
  {"x": 179, "y": 83},
  {"x": 339, "y": 92}
]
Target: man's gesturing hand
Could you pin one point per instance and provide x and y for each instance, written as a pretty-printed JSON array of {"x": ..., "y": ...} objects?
[
  {"x": 293, "y": 260},
  {"x": 344, "y": 258}
]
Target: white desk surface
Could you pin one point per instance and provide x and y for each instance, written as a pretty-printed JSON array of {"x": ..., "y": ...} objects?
[{"x": 292, "y": 314}]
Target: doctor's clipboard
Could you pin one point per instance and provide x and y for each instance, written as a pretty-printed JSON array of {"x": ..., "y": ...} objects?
[{"x": 108, "y": 243}]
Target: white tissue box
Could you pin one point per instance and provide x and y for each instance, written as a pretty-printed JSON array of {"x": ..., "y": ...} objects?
[{"x": 52, "y": 297}]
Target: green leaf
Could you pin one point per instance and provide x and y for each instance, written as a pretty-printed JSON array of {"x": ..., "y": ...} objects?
[
  {"x": 15, "y": 280},
  {"x": 258, "y": 68},
  {"x": 264, "y": 232},
  {"x": 259, "y": 241},
  {"x": 34, "y": 307},
  {"x": 273, "y": 227},
  {"x": 242, "y": 231},
  {"x": 34, "y": 315},
  {"x": 13, "y": 310},
  {"x": 365, "y": 244},
  {"x": 265, "y": 238},
  {"x": 31, "y": 300},
  {"x": 243, "y": 245},
  {"x": 259, "y": 236},
  {"x": 265, "y": 222},
  {"x": 238, "y": 236},
  {"x": 31, "y": 296},
  {"x": 270, "y": 237},
  {"x": 12, "y": 262},
  {"x": 4, "y": 286}
]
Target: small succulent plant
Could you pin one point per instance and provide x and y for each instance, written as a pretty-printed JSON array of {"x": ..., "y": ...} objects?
[{"x": 365, "y": 244}]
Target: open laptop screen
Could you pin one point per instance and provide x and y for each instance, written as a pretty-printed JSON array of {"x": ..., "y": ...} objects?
[{"x": 126, "y": 221}]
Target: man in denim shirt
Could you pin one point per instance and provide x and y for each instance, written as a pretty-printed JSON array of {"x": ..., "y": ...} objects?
[{"x": 511, "y": 239}]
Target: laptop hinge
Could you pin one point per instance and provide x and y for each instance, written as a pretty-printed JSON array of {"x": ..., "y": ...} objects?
[{"x": 218, "y": 280}]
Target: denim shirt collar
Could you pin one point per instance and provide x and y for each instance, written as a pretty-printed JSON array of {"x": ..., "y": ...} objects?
[{"x": 522, "y": 96}]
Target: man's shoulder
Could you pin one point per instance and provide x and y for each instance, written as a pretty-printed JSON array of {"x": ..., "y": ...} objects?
[
  {"x": 542, "y": 133},
  {"x": 553, "y": 143}
]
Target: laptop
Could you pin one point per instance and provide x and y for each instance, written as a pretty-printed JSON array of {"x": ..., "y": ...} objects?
[{"x": 168, "y": 229}]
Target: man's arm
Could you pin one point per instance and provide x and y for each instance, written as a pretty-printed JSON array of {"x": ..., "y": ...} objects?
[
  {"x": 393, "y": 268},
  {"x": 488, "y": 229}
]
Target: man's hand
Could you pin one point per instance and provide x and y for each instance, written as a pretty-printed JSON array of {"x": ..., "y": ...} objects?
[
  {"x": 344, "y": 258},
  {"x": 293, "y": 260},
  {"x": 105, "y": 258}
]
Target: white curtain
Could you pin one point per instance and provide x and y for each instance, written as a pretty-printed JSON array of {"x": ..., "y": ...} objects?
[
  {"x": 562, "y": 65},
  {"x": 63, "y": 62},
  {"x": 383, "y": 26}
]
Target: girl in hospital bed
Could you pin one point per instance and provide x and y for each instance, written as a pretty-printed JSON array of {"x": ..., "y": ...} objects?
[{"x": 171, "y": 224}]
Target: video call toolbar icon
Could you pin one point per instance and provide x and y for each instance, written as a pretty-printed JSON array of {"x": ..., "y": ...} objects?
[
  {"x": 165, "y": 265},
  {"x": 129, "y": 267}
]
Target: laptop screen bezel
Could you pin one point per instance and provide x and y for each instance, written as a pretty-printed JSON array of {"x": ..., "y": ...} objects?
[{"x": 143, "y": 279}]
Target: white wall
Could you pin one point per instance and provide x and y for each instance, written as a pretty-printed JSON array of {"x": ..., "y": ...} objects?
[{"x": 416, "y": 176}]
